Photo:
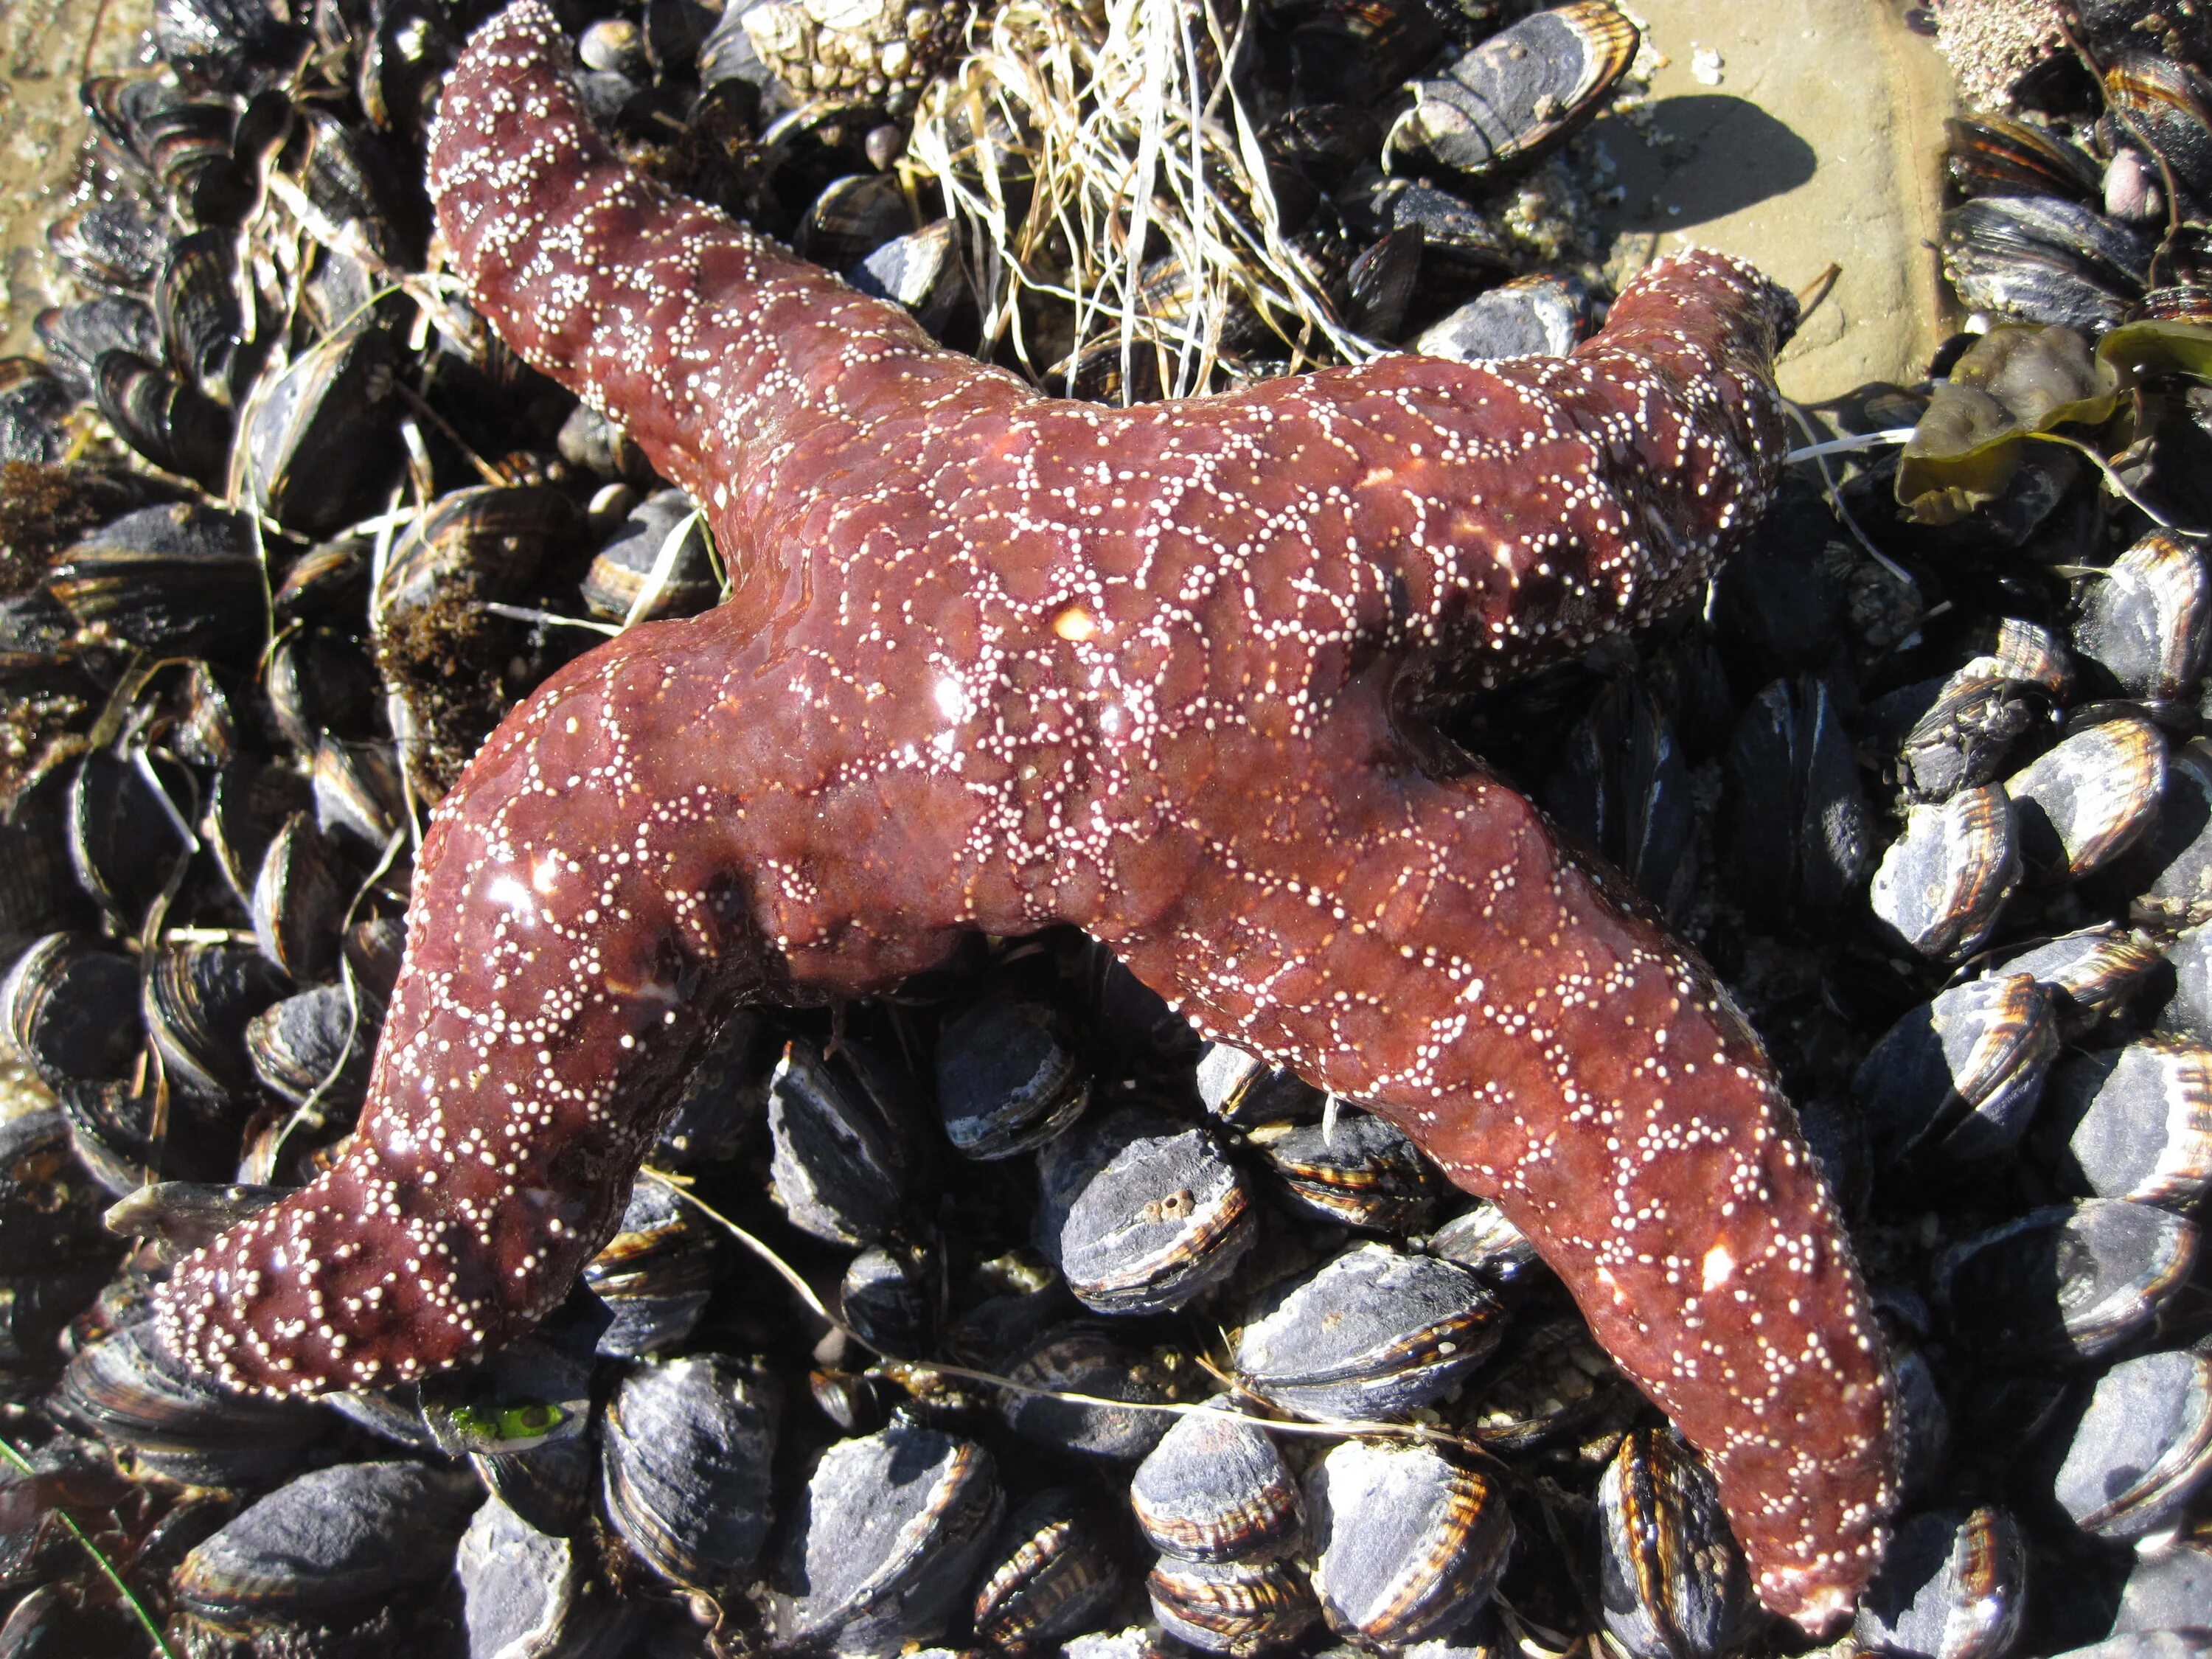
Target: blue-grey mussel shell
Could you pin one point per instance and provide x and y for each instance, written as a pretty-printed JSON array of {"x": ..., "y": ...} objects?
[
  {"x": 2168, "y": 1592},
  {"x": 1353, "y": 1169},
  {"x": 2142, "y": 1447},
  {"x": 1957, "y": 1079},
  {"x": 890, "y": 1530},
  {"x": 2088, "y": 973},
  {"x": 1482, "y": 1238},
  {"x": 1056, "y": 1571},
  {"x": 847, "y": 1143},
  {"x": 128, "y": 1392},
  {"x": 1940, "y": 886},
  {"x": 2133, "y": 1122},
  {"x": 522, "y": 1419},
  {"x": 1216, "y": 1489},
  {"x": 1548, "y": 1378},
  {"x": 2043, "y": 260},
  {"x": 1952, "y": 1585},
  {"x": 1521, "y": 90},
  {"x": 1244, "y": 1090},
  {"x": 344, "y": 1539},
  {"x": 2066, "y": 1283},
  {"x": 1670, "y": 1580},
  {"x": 1005, "y": 1082},
  {"x": 1235, "y": 1607},
  {"x": 687, "y": 1445},
  {"x": 2147, "y": 617},
  {"x": 1141, "y": 1211},
  {"x": 2084, "y": 803},
  {"x": 1374, "y": 1333},
  {"x": 530, "y": 1595},
  {"x": 1408, "y": 1543},
  {"x": 2169, "y": 872},
  {"x": 1545, "y": 315}
]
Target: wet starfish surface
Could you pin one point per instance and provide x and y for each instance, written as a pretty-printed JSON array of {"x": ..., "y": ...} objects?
[{"x": 994, "y": 660}]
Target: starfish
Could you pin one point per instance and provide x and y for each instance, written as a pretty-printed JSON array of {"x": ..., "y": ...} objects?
[{"x": 994, "y": 660}]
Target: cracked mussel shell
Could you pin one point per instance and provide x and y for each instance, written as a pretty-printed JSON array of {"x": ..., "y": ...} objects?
[
  {"x": 1372, "y": 1334},
  {"x": 890, "y": 1530},
  {"x": 1409, "y": 1543},
  {"x": 687, "y": 1449},
  {"x": 1520, "y": 92},
  {"x": 1216, "y": 1488}
]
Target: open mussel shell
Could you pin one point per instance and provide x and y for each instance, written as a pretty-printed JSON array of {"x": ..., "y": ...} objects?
[
  {"x": 1235, "y": 1607},
  {"x": 67, "y": 1009},
  {"x": 334, "y": 1542},
  {"x": 1353, "y": 1169},
  {"x": 128, "y": 1390},
  {"x": 1520, "y": 91},
  {"x": 688, "y": 1447},
  {"x": 891, "y": 1529},
  {"x": 1957, "y": 1079},
  {"x": 2133, "y": 1122},
  {"x": 2084, "y": 802},
  {"x": 654, "y": 1274},
  {"x": 1216, "y": 1488},
  {"x": 176, "y": 426},
  {"x": 1952, "y": 1585},
  {"x": 196, "y": 999},
  {"x": 1006, "y": 1080},
  {"x": 1408, "y": 1543},
  {"x": 1374, "y": 1333},
  {"x": 1142, "y": 1211},
  {"x": 529, "y": 1594},
  {"x": 1671, "y": 1582},
  {"x": 314, "y": 446},
  {"x": 1080, "y": 1359},
  {"x": 2147, "y": 617},
  {"x": 2143, "y": 1447},
  {"x": 2043, "y": 260},
  {"x": 847, "y": 1138},
  {"x": 1940, "y": 886},
  {"x": 1056, "y": 1570},
  {"x": 2065, "y": 1283},
  {"x": 1989, "y": 154}
]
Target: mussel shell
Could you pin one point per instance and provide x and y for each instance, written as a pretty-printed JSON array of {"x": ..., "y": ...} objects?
[
  {"x": 2065, "y": 1283},
  {"x": 1963, "y": 738},
  {"x": 1244, "y": 1090},
  {"x": 320, "y": 681},
  {"x": 1799, "y": 834},
  {"x": 1671, "y": 1581},
  {"x": 334, "y": 1540},
  {"x": 1939, "y": 888},
  {"x": 179, "y": 1216},
  {"x": 1549, "y": 1379},
  {"x": 360, "y": 794},
  {"x": 890, "y": 1530},
  {"x": 116, "y": 240},
  {"x": 313, "y": 444},
  {"x": 1006, "y": 1081},
  {"x": 854, "y": 218},
  {"x": 2147, "y": 617},
  {"x": 1141, "y": 1211},
  {"x": 230, "y": 44},
  {"x": 315, "y": 1044},
  {"x": 1216, "y": 1488},
  {"x": 1082, "y": 1360},
  {"x": 2043, "y": 260},
  {"x": 1235, "y": 1607},
  {"x": 654, "y": 1274},
  {"x": 196, "y": 1000},
  {"x": 249, "y": 804},
  {"x": 1056, "y": 1570},
  {"x": 846, "y": 1139},
  {"x": 1952, "y": 1585},
  {"x": 528, "y": 1595},
  {"x": 2169, "y": 870},
  {"x": 1992, "y": 155},
  {"x": 34, "y": 411},
  {"x": 2169, "y": 105},
  {"x": 1538, "y": 316},
  {"x": 68, "y": 1008},
  {"x": 77, "y": 337},
  {"x": 688, "y": 1448},
  {"x": 1353, "y": 1169},
  {"x": 1408, "y": 1543},
  {"x": 196, "y": 301},
  {"x": 2142, "y": 1447},
  {"x": 2163, "y": 1600},
  {"x": 619, "y": 581},
  {"x": 2133, "y": 1122},
  {"x": 1957, "y": 1077},
  {"x": 2086, "y": 802},
  {"x": 300, "y": 897},
  {"x": 888, "y": 1300},
  {"x": 1520, "y": 91},
  {"x": 175, "y": 426},
  {"x": 128, "y": 829},
  {"x": 126, "y": 1390},
  {"x": 1372, "y": 1334},
  {"x": 48, "y": 1216},
  {"x": 1482, "y": 1238},
  {"x": 2088, "y": 974}
]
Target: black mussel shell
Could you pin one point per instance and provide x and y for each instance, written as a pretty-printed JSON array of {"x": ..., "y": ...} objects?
[
  {"x": 77, "y": 337},
  {"x": 1957, "y": 1079},
  {"x": 2142, "y": 1447},
  {"x": 1546, "y": 315},
  {"x": 846, "y": 1136},
  {"x": 854, "y": 218},
  {"x": 654, "y": 1274},
  {"x": 655, "y": 564},
  {"x": 1671, "y": 1581},
  {"x": 891, "y": 1529},
  {"x": 1244, "y": 1090},
  {"x": 2065, "y": 1283},
  {"x": 1408, "y": 1542},
  {"x": 1996, "y": 156},
  {"x": 1056, "y": 1570},
  {"x": 299, "y": 899},
  {"x": 1549, "y": 1379},
  {"x": 1352, "y": 1167},
  {"x": 2043, "y": 260},
  {"x": 233, "y": 45},
  {"x": 1080, "y": 1359},
  {"x": 1481, "y": 1238},
  {"x": 314, "y": 448},
  {"x": 1216, "y": 1488},
  {"x": 177, "y": 1216},
  {"x": 1006, "y": 1080},
  {"x": 2169, "y": 870},
  {"x": 117, "y": 240},
  {"x": 1939, "y": 888},
  {"x": 1520, "y": 91},
  {"x": 2166, "y": 106},
  {"x": 361, "y": 797},
  {"x": 689, "y": 1447},
  {"x": 313, "y": 1046},
  {"x": 2133, "y": 1122},
  {"x": 197, "y": 303},
  {"x": 175, "y": 581},
  {"x": 34, "y": 412},
  {"x": 128, "y": 1392},
  {"x": 527, "y": 1593},
  {"x": 2087, "y": 975},
  {"x": 196, "y": 1000},
  {"x": 249, "y": 804},
  {"x": 2160, "y": 1607},
  {"x": 888, "y": 1300},
  {"x": 1239, "y": 1609},
  {"x": 175, "y": 426},
  {"x": 2147, "y": 617},
  {"x": 68, "y": 1009},
  {"x": 1954, "y": 1585}
]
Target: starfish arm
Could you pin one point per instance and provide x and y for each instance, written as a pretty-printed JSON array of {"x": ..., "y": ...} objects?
[{"x": 1551, "y": 1048}]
